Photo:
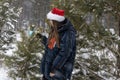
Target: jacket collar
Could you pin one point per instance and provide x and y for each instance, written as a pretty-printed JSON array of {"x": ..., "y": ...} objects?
[{"x": 66, "y": 25}]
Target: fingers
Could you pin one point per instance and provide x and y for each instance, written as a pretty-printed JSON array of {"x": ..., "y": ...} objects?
[{"x": 52, "y": 74}]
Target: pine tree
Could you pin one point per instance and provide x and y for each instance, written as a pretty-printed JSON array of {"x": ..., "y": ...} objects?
[
  {"x": 8, "y": 14},
  {"x": 24, "y": 64}
]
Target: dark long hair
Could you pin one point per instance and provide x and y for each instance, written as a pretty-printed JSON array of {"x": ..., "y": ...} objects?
[{"x": 54, "y": 33}]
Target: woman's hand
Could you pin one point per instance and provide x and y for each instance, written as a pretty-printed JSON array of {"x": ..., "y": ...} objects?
[
  {"x": 38, "y": 35},
  {"x": 52, "y": 74}
]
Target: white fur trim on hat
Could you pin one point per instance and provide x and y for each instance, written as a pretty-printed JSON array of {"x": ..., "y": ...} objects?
[{"x": 55, "y": 17}]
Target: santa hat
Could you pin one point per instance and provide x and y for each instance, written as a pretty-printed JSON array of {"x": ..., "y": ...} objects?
[{"x": 56, "y": 14}]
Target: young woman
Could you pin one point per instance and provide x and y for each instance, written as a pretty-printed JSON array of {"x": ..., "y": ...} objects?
[{"x": 60, "y": 51}]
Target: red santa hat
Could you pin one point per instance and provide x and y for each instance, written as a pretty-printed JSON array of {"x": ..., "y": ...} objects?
[{"x": 56, "y": 14}]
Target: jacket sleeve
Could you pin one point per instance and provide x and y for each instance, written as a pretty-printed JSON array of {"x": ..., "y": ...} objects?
[
  {"x": 66, "y": 45},
  {"x": 44, "y": 40}
]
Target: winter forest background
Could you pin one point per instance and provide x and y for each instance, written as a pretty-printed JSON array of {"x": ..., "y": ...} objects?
[{"x": 98, "y": 37}]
